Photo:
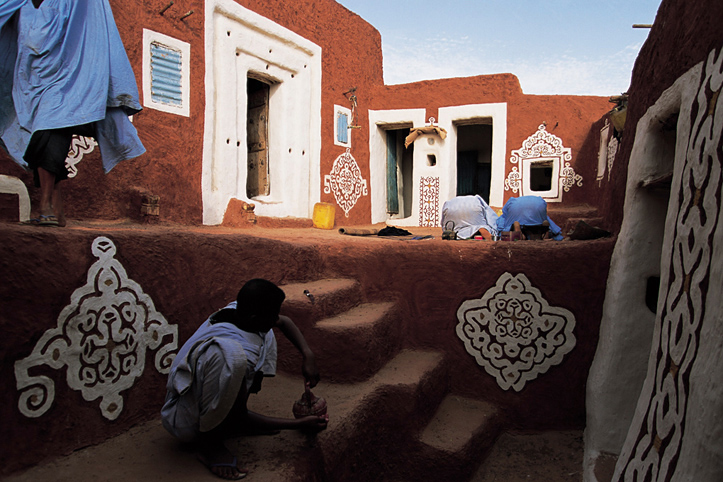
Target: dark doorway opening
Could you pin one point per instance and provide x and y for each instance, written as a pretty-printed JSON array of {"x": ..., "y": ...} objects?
[
  {"x": 399, "y": 174},
  {"x": 257, "y": 136},
  {"x": 474, "y": 160}
]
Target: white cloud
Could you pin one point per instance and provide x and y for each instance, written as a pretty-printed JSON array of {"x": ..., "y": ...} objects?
[{"x": 408, "y": 60}]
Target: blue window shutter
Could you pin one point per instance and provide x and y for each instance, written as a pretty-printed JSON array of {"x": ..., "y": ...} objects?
[
  {"x": 166, "y": 66},
  {"x": 342, "y": 128}
]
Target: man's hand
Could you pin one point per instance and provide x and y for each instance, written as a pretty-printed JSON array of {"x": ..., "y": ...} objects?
[
  {"x": 309, "y": 370},
  {"x": 313, "y": 423},
  {"x": 308, "y": 367}
]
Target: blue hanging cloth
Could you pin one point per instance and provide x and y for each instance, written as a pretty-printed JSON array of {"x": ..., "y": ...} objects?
[{"x": 62, "y": 65}]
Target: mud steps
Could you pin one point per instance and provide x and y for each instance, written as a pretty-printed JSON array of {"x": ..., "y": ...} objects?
[
  {"x": 458, "y": 438},
  {"x": 392, "y": 414},
  {"x": 358, "y": 337},
  {"x": 367, "y": 420},
  {"x": 325, "y": 298}
]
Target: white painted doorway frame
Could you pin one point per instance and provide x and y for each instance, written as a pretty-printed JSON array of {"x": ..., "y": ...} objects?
[
  {"x": 494, "y": 114},
  {"x": 379, "y": 122},
  {"x": 240, "y": 43},
  {"x": 445, "y": 151}
]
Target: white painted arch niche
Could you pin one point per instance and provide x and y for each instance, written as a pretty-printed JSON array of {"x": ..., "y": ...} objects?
[
  {"x": 241, "y": 44},
  {"x": 623, "y": 379},
  {"x": 435, "y": 159}
]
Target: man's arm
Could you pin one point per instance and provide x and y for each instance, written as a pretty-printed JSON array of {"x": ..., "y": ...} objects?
[{"x": 292, "y": 332}]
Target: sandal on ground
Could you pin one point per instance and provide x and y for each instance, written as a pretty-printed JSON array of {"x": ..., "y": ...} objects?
[
  {"x": 31, "y": 222},
  {"x": 49, "y": 220},
  {"x": 240, "y": 473},
  {"x": 42, "y": 220}
]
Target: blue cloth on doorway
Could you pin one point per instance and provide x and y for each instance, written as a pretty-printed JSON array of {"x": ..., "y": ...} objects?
[
  {"x": 62, "y": 65},
  {"x": 469, "y": 214},
  {"x": 528, "y": 211}
]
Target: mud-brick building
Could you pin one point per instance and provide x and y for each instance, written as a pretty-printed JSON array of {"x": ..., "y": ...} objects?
[
  {"x": 618, "y": 336},
  {"x": 284, "y": 106}
]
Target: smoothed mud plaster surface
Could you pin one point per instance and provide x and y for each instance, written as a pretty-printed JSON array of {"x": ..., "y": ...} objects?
[{"x": 191, "y": 272}]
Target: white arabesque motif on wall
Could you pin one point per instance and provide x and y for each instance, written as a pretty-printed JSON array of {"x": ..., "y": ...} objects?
[
  {"x": 101, "y": 337},
  {"x": 513, "y": 333},
  {"x": 429, "y": 202},
  {"x": 612, "y": 150},
  {"x": 542, "y": 153},
  {"x": 514, "y": 181},
  {"x": 346, "y": 182},
  {"x": 79, "y": 146},
  {"x": 660, "y": 430}
]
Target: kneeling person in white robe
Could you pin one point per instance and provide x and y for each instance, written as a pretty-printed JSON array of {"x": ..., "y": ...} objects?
[{"x": 220, "y": 365}]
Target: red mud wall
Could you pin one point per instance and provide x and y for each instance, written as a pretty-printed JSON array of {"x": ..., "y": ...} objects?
[
  {"x": 171, "y": 167},
  {"x": 568, "y": 117},
  {"x": 186, "y": 277},
  {"x": 189, "y": 274}
]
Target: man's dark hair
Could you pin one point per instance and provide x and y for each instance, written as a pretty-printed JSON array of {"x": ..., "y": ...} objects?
[{"x": 259, "y": 296}]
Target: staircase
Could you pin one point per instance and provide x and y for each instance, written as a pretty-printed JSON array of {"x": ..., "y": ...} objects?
[{"x": 391, "y": 414}]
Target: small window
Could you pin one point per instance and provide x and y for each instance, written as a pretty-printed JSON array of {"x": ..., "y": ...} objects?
[
  {"x": 166, "y": 76},
  {"x": 342, "y": 126},
  {"x": 541, "y": 176}
]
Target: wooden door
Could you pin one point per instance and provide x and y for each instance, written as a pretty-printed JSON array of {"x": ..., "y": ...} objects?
[{"x": 257, "y": 129}]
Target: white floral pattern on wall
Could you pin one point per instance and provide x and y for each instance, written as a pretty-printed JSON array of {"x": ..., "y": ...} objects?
[
  {"x": 542, "y": 149},
  {"x": 79, "y": 147},
  {"x": 429, "y": 202},
  {"x": 346, "y": 182},
  {"x": 612, "y": 151},
  {"x": 514, "y": 181},
  {"x": 513, "y": 333},
  {"x": 101, "y": 337}
]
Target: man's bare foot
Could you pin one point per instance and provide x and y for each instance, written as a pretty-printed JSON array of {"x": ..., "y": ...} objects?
[{"x": 223, "y": 465}]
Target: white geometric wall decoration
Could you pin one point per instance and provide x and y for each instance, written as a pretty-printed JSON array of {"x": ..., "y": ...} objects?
[
  {"x": 568, "y": 178},
  {"x": 101, "y": 338},
  {"x": 514, "y": 181},
  {"x": 513, "y": 333},
  {"x": 665, "y": 419},
  {"x": 429, "y": 200},
  {"x": 79, "y": 147},
  {"x": 346, "y": 182},
  {"x": 612, "y": 150},
  {"x": 543, "y": 147},
  {"x": 603, "y": 150}
]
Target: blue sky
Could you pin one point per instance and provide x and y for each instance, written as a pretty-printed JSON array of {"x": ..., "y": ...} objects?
[{"x": 579, "y": 47}]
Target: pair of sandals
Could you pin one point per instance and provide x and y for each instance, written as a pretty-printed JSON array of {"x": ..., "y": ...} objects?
[{"x": 42, "y": 220}]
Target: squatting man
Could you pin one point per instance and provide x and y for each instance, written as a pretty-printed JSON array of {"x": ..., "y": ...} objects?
[{"x": 220, "y": 365}]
